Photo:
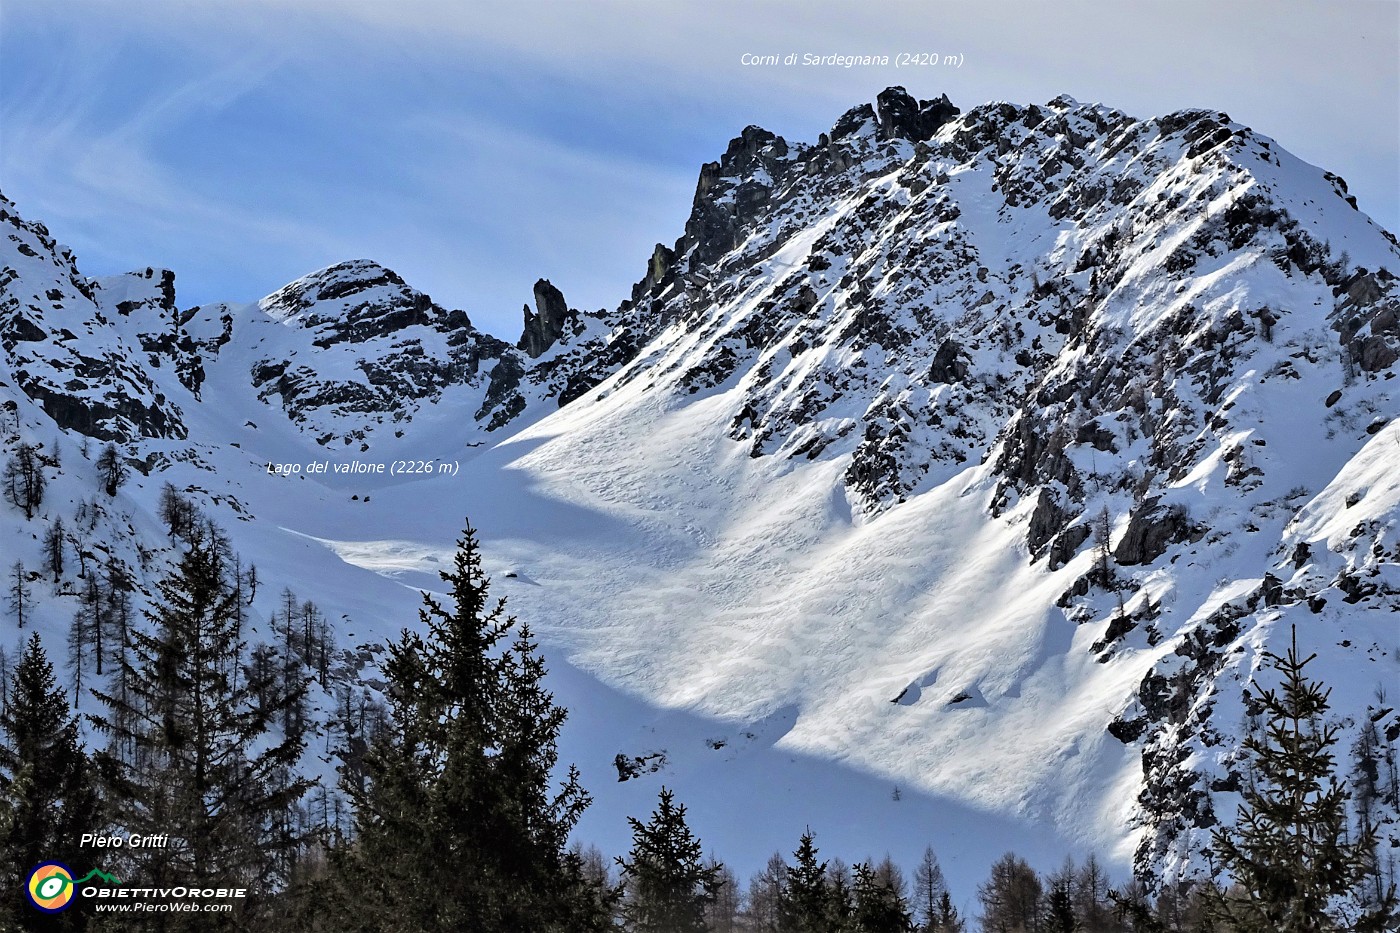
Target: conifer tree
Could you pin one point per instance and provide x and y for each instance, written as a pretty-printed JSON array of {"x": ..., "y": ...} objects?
[
  {"x": 20, "y": 602},
  {"x": 879, "y": 908},
  {"x": 53, "y": 549},
  {"x": 840, "y": 897},
  {"x": 464, "y": 765},
  {"x": 1091, "y": 896},
  {"x": 722, "y": 914},
  {"x": 1059, "y": 906},
  {"x": 667, "y": 885},
  {"x": 24, "y": 479},
  {"x": 949, "y": 921},
  {"x": 191, "y": 755},
  {"x": 46, "y": 781},
  {"x": 765, "y": 891},
  {"x": 111, "y": 471},
  {"x": 1011, "y": 897},
  {"x": 929, "y": 887},
  {"x": 804, "y": 904},
  {"x": 1289, "y": 851},
  {"x": 116, "y": 596}
]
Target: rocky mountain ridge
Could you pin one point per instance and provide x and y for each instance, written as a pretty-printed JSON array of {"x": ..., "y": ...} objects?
[{"x": 1155, "y": 357}]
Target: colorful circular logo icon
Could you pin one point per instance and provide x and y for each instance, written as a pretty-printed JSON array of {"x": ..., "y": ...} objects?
[{"x": 50, "y": 887}]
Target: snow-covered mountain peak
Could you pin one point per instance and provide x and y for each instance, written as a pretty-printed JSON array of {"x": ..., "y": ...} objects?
[{"x": 356, "y": 300}]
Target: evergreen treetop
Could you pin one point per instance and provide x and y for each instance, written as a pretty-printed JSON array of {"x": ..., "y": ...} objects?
[
  {"x": 46, "y": 783},
  {"x": 1289, "y": 852},
  {"x": 666, "y": 882},
  {"x": 193, "y": 751},
  {"x": 459, "y": 823}
]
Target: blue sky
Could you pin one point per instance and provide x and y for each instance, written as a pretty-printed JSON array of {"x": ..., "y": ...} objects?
[{"x": 475, "y": 147}]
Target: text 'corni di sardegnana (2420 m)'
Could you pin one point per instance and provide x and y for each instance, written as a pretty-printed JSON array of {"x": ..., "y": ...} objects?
[{"x": 898, "y": 60}]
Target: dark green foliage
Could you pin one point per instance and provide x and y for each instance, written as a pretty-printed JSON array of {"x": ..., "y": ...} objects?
[
  {"x": 804, "y": 902},
  {"x": 1059, "y": 908},
  {"x": 46, "y": 783},
  {"x": 458, "y": 822},
  {"x": 879, "y": 908},
  {"x": 667, "y": 885},
  {"x": 191, "y": 752},
  {"x": 1289, "y": 851},
  {"x": 948, "y": 920}
]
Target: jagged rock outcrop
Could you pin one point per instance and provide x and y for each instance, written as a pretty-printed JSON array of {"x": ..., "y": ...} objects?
[
  {"x": 549, "y": 321},
  {"x": 903, "y": 117}
]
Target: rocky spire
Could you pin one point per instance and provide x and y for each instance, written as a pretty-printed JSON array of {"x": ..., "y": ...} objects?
[{"x": 546, "y": 324}]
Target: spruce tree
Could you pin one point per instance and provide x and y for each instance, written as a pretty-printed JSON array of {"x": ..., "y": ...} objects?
[
  {"x": 804, "y": 903},
  {"x": 46, "y": 781},
  {"x": 1059, "y": 906},
  {"x": 840, "y": 897},
  {"x": 879, "y": 908},
  {"x": 192, "y": 755},
  {"x": 459, "y": 823},
  {"x": 666, "y": 882},
  {"x": 1289, "y": 852},
  {"x": 949, "y": 921}
]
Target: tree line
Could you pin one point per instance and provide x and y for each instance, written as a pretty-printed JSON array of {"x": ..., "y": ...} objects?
[{"x": 451, "y": 811}]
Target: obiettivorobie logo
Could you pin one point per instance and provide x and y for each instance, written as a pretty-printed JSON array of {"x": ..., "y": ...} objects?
[{"x": 51, "y": 885}]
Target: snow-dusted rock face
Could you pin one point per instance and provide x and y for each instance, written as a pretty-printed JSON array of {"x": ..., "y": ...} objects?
[
  {"x": 369, "y": 351},
  {"x": 67, "y": 350},
  {"x": 985, "y": 451}
]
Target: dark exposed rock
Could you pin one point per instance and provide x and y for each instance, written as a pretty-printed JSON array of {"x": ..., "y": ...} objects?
[
  {"x": 901, "y": 116},
  {"x": 1376, "y": 352},
  {"x": 1097, "y": 436},
  {"x": 1127, "y": 730},
  {"x": 1046, "y": 521},
  {"x": 851, "y": 121},
  {"x": 505, "y": 377},
  {"x": 547, "y": 324},
  {"x": 949, "y": 363},
  {"x": 1272, "y": 590},
  {"x": 20, "y": 328},
  {"x": 1066, "y": 544},
  {"x": 1151, "y": 528},
  {"x": 103, "y": 418}
]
